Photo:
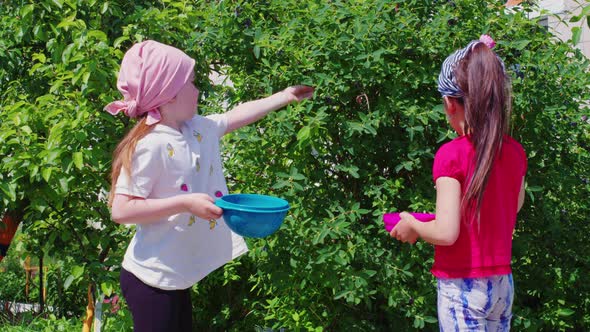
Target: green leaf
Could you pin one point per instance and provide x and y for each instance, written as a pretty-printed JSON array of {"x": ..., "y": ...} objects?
[
  {"x": 67, "y": 22},
  {"x": 280, "y": 184},
  {"x": 340, "y": 259},
  {"x": 98, "y": 35},
  {"x": 68, "y": 282},
  {"x": 40, "y": 205},
  {"x": 78, "y": 158},
  {"x": 26, "y": 11},
  {"x": 67, "y": 53},
  {"x": 46, "y": 173},
  {"x": 9, "y": 190},
  {"x": 63, "y": 184},
  {"x": 576, "y": 34},
  {"x": 52, "y": 155},
  {"x": 55, "y": 86},
  {"x": 58, "y": 3},
  {"x": 117, "y": 43},
  {"x": 105, "y": 7},
  {"x": 585, "y": 11},
  {"x": 297, "y": 186},
  {"x": 86, "y": 77},
  {"x": 257, "y": 51},
  {"x": 321, "y": 236},
  {"x": 39, "y": 57},
  {"x": 575, "y": 18},
  {"x": 408, "y": 273},
  {"x": 304, "y": 134},
  {"x": 298, "y": 177},
  {"x": 418, "y": 322},
  {"x": 521, "y": 44},
  {"x": 564, "y": 312},
  {"x": 77, "y": 271},
  {"x": 106, "y": 288},
  {"x": 342, "y": 294},
  {"x": 534, "y": 188},
  {"x": 27, "y": 130}
]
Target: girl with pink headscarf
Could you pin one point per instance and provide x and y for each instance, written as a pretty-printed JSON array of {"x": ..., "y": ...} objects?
[{"x": 165, "y": 173}]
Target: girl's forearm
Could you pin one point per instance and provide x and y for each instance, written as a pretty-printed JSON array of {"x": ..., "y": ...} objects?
[
  {"x": 134, "y": 210},
  {"x": 252, "y": 111},
  {"x": 435, "y": 232},
  {"x": 444, "y": 230}
]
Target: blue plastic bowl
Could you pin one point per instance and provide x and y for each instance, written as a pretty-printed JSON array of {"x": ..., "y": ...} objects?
[
  {"x": 253, "y": 215},
  {"x": 254, "y": 202}
]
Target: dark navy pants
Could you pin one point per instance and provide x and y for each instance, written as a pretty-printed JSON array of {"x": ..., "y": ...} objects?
[{"x": 154, "y": 309}]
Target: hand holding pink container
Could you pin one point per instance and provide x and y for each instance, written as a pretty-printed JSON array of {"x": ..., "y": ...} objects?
[{"x": 391, "y": 219}]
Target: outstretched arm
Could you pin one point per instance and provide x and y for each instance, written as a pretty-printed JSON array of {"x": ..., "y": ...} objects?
[{"x": 252, "y": 111}]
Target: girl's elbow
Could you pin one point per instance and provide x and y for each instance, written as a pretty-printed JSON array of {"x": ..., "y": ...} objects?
[
  {"x": 119, "y": 217},
  {"x": 121, "y": 212},
  {"x": 520, "y": 204},
  {"x": 446, "y": 242},
  {"x": 449, "y": 239}
]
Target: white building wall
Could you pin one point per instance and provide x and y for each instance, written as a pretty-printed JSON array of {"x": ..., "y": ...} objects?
[{"x": 564, "y": 10}]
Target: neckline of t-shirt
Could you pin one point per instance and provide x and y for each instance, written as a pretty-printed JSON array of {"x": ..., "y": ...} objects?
[{"x": 162, "y": 128}]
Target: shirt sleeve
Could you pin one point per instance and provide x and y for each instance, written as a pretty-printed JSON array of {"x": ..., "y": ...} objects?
[
  {"x": 447, "y": 164},
  {"x": 146, "y": 166},
  {"x": 217, "y": 123}
]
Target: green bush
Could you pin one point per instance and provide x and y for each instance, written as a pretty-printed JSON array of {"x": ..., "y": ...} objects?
[
  {"x": 52, "y": 323},
  {"x": 362, "y": 147},
  {"x": 12, "y": 287},
  {"x": 62, "y": 295}
]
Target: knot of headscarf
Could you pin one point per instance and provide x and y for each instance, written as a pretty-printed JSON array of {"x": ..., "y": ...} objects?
[
  {"x": 447, "y": 82},
  {"x": 151, "y": 75}
]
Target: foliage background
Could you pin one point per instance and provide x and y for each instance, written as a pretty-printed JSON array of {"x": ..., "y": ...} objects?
[{"x": 364, "y": 146}]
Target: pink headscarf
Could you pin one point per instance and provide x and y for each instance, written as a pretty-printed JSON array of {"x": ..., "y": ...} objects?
[{"x": 151, "y": 75}]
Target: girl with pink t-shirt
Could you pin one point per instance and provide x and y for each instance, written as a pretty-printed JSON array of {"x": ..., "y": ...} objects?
[{"x": 479, "y": 180}]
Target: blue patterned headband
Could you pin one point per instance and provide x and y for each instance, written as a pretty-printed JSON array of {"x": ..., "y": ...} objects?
[{"x": 447, "y": 83}]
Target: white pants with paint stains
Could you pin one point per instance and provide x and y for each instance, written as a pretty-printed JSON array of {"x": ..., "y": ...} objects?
[{"x": 475, "y": 304}]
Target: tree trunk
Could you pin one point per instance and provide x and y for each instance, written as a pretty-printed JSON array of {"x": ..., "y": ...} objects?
[
  {"x": 89, "y": 311},
  {"x": 41, "y": 286}
]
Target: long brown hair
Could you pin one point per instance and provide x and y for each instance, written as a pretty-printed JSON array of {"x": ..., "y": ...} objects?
[
  {"x": 486, "y": 88},
  {"x": 123, "y": 154}
]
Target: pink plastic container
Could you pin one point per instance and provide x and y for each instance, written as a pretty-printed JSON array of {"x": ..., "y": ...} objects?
[{"x": 391, "y": 219}]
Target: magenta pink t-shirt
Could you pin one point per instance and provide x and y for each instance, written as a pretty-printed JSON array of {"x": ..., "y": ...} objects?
[{"x": 488, "y": 251}]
